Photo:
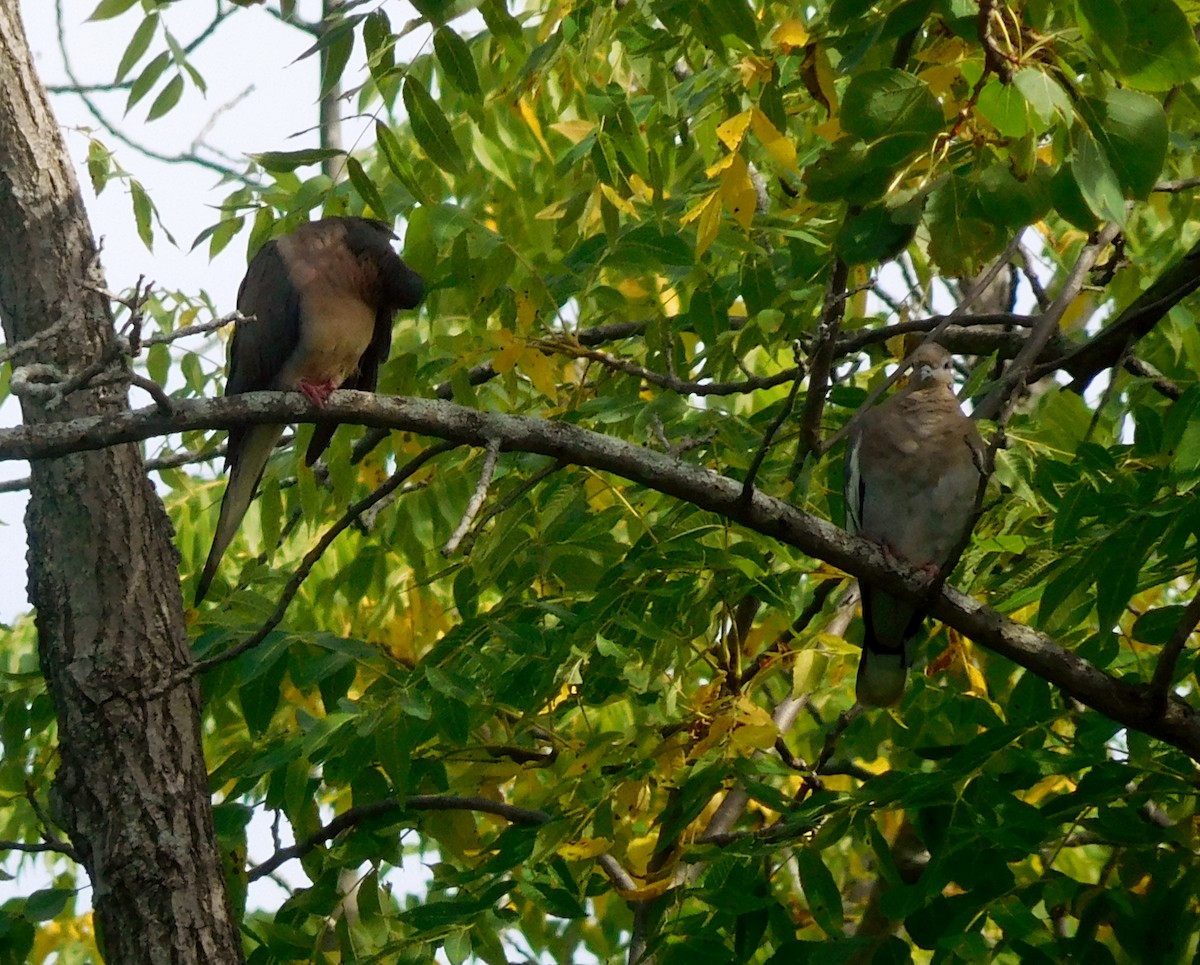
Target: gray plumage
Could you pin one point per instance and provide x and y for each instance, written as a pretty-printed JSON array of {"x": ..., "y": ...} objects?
[{"x": 913, "y": 469}]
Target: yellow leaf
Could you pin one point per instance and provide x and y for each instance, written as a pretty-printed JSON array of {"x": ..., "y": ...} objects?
[
  {"x": 825, "y": 79},
  {"x": 510, "y": 351},
  {"x": 541, "y": 373},
  {"x": 750, "y": 713},
  {"x": 552, "y": 211},
  {"x": 641, "y": 189},
  {"x": 778, "y": 146},
  {"x": 790, "y": 33},
  {"x": 754, "y": 69},
  {"x": 710, "y": 221},
  {"x": 584, "y": 848},
  {"x": 717, "y": 731},
  {"x": 640, "y": 851},
  {"x": 941, "y": 79},
  {"x": 947, "y": 52},
  {"x": 697, "y": 210},
  {"x": 977, "y": 685},
  {"x": 621, "y": 204},
  {"x": 830, "y": 130},
  {"x": 733, "y": 131},
  {"x": 630, "y": 797},
  {"x": 574, "y": 131},
  {"x": 755, "y": 738},
  {"x": 737, "y": 192},
  {"x": 1053, "y": 784},
  {"x": 1080, "y": 310},
  {"x": 646, "y": 892},
  {"x": 527, "y": 309},
  {"x": 530, "y": 118},
  {"x": 808, "y": 670},
  {"x": 632, "y": 289}
]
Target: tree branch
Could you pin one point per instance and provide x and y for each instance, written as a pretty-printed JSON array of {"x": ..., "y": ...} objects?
[
  {"x": 1019, "y": 372},
  {"x": 418, "y": 802},
  {"x": 310, "y": 560},
  {"x": 1164, "y": 670},
  {"x": 1178, "y": 725}
]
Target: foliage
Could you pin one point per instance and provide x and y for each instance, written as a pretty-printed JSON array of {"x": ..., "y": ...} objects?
[{"x": 625, "y": 215}]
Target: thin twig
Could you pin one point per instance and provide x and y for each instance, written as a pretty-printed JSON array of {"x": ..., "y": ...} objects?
[
  {"x": 754, "y": 383},
  {"x": 620, "y": 878},
  {"x": 508, "y": 500},
  {"x": 40, "y": 847},
  {"x": 775, "y": 426},
  {"x": 1182, "y": 184},
  {"x": 201, "y": 328},
  {"x": 1017, "y": 373},
  {"x": 310, "y": 560},
  {"x": 821, "y": 363},
  {"x": 490, "y": 456},
  {"x": 155, "y": 391},
  {"x": 981, "y": 284},
  {"x": 1164, "y": 670},
  {"x": 419, "y": 802},
  {"x": 114, "y": 131}
]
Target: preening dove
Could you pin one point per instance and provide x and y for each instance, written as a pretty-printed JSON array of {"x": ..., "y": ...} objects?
[{"x": 322, "y": 298}]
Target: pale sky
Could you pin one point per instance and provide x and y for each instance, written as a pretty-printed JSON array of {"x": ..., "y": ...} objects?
[
  {"x": 250, "y": 50},
  {"x": 249, "y": 63}
]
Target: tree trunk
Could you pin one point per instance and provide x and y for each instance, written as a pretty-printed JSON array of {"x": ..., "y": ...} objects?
[{"x": 131, "y": 789}]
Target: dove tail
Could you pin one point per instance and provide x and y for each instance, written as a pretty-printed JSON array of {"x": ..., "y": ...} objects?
[
  {"x": 888, "y": 625},
  {"x": 248, "y": 463}
]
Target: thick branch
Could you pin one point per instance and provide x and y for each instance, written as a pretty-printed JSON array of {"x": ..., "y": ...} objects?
[{"x": 1125, "y": 703}]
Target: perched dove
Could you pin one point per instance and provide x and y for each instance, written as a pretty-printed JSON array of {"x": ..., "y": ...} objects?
[
  {"x": 913, "y": 470},
  {"x": 323, "y": 298}
]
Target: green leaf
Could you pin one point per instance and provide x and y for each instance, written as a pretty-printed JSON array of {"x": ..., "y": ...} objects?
[
  {"x": 137, "y": 45},
  {"x": 280, "y": 162},
  {"x": 824, "y": 898},
  {"x": 393, "y": 153},
  {"x": 431, "y": 129},
  {"x": 1004, "y": 107},
  {"x": 47, "y": 903},
  {"x": 1096, "y": 179},
  {"x": 1068, "y": 200},
  {"x": 1131, "y": 127},
  {"x": 1157, "y": 626},
  {"x": 1007, "y": 200},
  {"x": 1149, "y": 44},
  {"x": 893, "y": 110},
  {"x": 99, "y": 165},
  {"x": 872, "y": 235},
  {"x": 845, "y": 12},
  {"x": 147, "y": 79},
  {"x": 366, "y": 188},
  {"x": 962, "y": 235},
  {"x": 107, "y": 9},
  {"x": 377, "y": 37},
  {"x": 337, "y": 55},
  {"x": 143, "y": 212},
  {"x": 646, "y": 244},
  {"x": 459, "y": 66},
  {"x": 1044, "y": 95},
  {"x": 167, "y": 98},
  {"x": 718, "y": 19}
]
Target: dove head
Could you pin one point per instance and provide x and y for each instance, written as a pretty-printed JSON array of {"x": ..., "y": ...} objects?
[{"x": 931, "y": 366}]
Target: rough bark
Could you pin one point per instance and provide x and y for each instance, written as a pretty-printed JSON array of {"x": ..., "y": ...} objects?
[{"x": 131, "y": 789}]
